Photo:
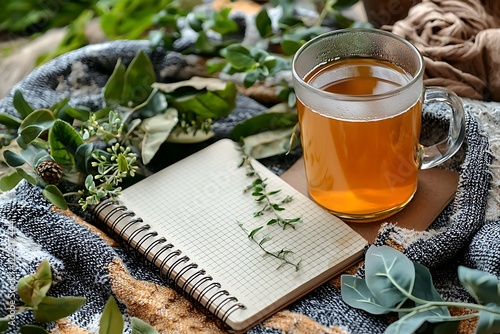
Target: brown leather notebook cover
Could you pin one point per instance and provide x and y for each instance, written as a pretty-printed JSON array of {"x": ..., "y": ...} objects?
[{"x": 436, "y": 189}]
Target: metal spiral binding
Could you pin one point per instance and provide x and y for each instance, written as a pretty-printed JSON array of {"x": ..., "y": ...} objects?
[{"x": 197, "y": 279}]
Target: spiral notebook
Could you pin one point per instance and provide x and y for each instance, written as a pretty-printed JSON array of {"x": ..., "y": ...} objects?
[{"x": 192, "y": 220}]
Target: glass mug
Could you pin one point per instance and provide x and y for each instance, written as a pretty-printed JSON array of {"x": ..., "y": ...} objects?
[{"x": 359, "y": 99}]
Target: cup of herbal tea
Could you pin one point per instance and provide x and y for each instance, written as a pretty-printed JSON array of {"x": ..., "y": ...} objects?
[{"x": 359, "y": 99}]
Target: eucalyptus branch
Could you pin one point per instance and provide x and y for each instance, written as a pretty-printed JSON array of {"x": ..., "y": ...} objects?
[
  {"x": 401, "y": 285},
  {"x": 281, "y": 255}
]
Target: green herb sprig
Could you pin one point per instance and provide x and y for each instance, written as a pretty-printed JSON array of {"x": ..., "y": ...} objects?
[
  {"x": 282, "y": 255},
  {"x": 393, "y": 283},
  {"x": 262, "y": 196},
  {"x": 33, "y": 289}
]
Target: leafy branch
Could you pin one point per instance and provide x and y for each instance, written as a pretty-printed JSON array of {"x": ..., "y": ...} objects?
[
  {"x": 390, "y": 286},
  {"x": 281, "y": 255},
  {"x": 33, "y": 289}
]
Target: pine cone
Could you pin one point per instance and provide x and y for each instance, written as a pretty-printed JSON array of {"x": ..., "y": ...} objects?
[{"x": 50, "y": 172}]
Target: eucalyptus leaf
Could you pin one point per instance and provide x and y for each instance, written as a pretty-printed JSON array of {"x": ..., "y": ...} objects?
[
  {"x": 13, "y": 159},
  {"x": 79, "y": 114},
  {"x": 268, "y": 144},
  {"x": 64, "y": 141},
  {"x": 52, "y": 308},
  {"x": 27, "y": 176},
  {"x": 33, "y": 288},
  {"x": 420, "y": 323},
  {"x": 425, "y": 290},
  {"x": 83, "y": 158},
  {"x": 10, "y": 181},
  {"x": 386, "y": 268},
  {"x": 55, "y": 196},
  {"x": 489, "y": 322},
  {"x": 155, "y": 104},
  {"x": 484, "y": 287},
  {"x": 156, "y": 131},
  {"x": 32, "y": 329},
  {"x": 43, "y": 118},
  {"x": 263, "y": 122},
  {"x": 141, "y": 327},
  {"x": 139, "y": 77},
  {"x": 113, "y": 89},
  {"x": 10, "y": 121},
  {"x": 356, "y": 294},
  {"x": 28, "y": 134},
  {"x": 111, "y": 319},
  {"x": 22, "y": 107}
]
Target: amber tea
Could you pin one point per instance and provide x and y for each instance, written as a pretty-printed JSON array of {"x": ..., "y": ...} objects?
[
  {"x": 360, "y": 166},
  {"x": 359, "y": 98}
]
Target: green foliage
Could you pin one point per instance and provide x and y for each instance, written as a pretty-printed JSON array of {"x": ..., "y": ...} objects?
[
  {"x": 268, "y": 202},
  {"x": 33, "y": 289},
  {"x": 138, "y": 119},
  {"x": 141, "y": 327},
  {"x": 111, "y": 319},
  {"x": 395, "y": 284}
]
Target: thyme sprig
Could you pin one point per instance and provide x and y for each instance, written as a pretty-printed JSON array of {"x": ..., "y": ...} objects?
[
  {"x": 259, "y": 190},
  {"x": 282, "y": 255}
]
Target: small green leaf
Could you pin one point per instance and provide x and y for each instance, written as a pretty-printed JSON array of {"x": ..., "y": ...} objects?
[
  {"x": 22, "y": 107},
  {"x": 251, "y": 77},
  {"x": 113, "y": 89},
  {"x": 33, "y": 288},
  {"x": 32, "y": 329},
  {"x": 43, "y": 118},
  {"x": 290, "y": 46},
  {"x": 13, "y": 159},
  {"x": 263, "y": 23},
  {"x": 263, "y": 122},
  {"x": 27, "y": 176},
  {"x": 55, "y": 196},
  {"x": 29, "y": 133},
  {"x": 10, "y": 121},
  {"x": 79, "y": 114},
  {"x": 254, "y": 231},
  {"x": 238, "y": 56},
  {"x": 489, "y": 322},
  {"x": 51, "y": 308},
  {"x": 484, "y": 287},
  {"x": 83, "y": 157},
  {"x": 64, "y": 140},
  {"x": 155, "y": 104},
  {"x": 356, "y": 294},
  {"x": 141, "y": 327},
  {"x": 385, "y": 265},
  {"x": 139, "y": 77},
  {"x": 111, "y": 319},
  {"x": 8, "y": 182}
]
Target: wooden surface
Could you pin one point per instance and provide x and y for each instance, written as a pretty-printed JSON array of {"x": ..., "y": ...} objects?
[{"x": 436, "y": 188}]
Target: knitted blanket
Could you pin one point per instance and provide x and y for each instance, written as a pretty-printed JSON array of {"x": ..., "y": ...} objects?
[{"x": 85, "y": 262}]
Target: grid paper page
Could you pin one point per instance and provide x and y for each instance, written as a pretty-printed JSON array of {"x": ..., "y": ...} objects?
[{"x": 198, "y": 204}]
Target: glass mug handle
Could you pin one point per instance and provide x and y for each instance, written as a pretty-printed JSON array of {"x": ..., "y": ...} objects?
[{"x": 431, "y": 156}]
